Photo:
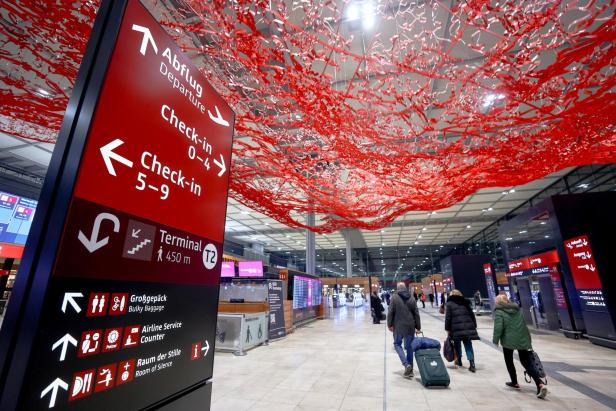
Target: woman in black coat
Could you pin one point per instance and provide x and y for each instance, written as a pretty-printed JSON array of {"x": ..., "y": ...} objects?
[
  {"x": 461, "y": 324},
  {"x": 375, "y": 302}
]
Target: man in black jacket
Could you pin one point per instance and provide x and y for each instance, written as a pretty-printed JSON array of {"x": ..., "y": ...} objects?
[
  {"x": 377, "y": 308},
  {"x": 403, "y": 320}
]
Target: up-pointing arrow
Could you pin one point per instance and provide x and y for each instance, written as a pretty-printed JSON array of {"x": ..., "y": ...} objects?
[
  {"x": 64, "y": 342},
  {"x": 53, "y": 388},
  {"x": 221, "y": 164},
  {"x": 108, "y": 155},
  {"x": 147, "y": 38},
  {"x": 69, "y": 298}
]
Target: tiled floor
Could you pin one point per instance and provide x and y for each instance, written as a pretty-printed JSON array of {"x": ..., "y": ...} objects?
[{"x": 347, "y": 363}]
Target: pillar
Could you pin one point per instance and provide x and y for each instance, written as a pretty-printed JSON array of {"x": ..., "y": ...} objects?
[{"x": 310, "y": 245}]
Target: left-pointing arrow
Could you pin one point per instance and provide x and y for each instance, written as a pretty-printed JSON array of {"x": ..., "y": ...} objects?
[
  {"x": 147, "y": 38},
  {"x": 108, "y": 155},
  {"x": 69, "y": 298},
  {"x": 64, "y": 342},
  {"x": 53, "y": 388}
]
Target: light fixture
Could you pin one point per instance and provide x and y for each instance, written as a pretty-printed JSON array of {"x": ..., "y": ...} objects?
[
  {"x": 352, "y": 12},
  {"x": 468, "y": 226},
  {"x": 244, "y": 212},
  {"x": 523, "y": 232},
  {"x": 508, "y": 239}
]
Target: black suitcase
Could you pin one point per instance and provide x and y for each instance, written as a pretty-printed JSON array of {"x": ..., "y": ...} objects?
[{"x": 432, "y": 368}]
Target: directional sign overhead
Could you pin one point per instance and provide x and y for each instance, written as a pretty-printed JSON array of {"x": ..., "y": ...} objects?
[{"x": 160, "y": 142}]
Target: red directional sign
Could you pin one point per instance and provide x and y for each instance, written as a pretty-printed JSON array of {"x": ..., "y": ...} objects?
[
  {"x": 582, "y": 263},
  {"x": 160, "y": 142},
  {"x": 134, "y": 278}
]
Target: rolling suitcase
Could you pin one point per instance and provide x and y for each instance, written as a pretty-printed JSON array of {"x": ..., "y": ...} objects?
[{"x": 432, "y": 368}]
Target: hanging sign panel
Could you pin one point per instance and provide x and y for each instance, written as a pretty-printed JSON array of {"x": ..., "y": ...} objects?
[{"x": 129, "y": 315}]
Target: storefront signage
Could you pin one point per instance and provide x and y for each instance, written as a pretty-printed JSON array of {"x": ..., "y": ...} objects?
[
  {"x": 275, "y": 298},
  {"x": 585, "y": 274},
  {"x": 129, "y": 314},
  {"x": 518, "y": 267}
]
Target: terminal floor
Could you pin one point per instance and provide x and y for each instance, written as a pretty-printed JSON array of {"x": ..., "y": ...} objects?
[{"x": 347, "y": 363}]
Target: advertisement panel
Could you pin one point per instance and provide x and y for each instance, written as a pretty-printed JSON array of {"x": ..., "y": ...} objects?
[
  {"x": 276, "y": 309},
  {"x": 16, "y": 215},
  {"x": 129, "y": 313},
  {"x": 487, "y": 271}
]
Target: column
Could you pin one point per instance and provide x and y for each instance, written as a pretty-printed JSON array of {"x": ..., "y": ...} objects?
[
  {"x": 349, "y": 257},
  {"x": 310, "y": 245}
]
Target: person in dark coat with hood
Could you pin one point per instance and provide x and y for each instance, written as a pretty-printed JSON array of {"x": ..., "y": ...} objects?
[
  {"x": 403, "y": 320},
  {"x": 375, "y": 303},
  {"x": 461, "y": 324},
  {"x": 511, "y": 332}
]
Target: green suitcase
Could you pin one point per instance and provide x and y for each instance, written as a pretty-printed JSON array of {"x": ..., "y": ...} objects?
[{"x": 432, "y": 368}]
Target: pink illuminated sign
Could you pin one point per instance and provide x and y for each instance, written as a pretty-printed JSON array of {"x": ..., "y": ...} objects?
[
  {"x": 227, "y": 269},
  {"x": 251, "y": 269}
]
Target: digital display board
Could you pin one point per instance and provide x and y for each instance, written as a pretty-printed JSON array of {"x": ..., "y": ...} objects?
[
  {"x": 16, "y": 214},
  {"x": 250, "y": 268},
  {"x": 227, "y": 269},
  {"x": 306, "y": 292}
]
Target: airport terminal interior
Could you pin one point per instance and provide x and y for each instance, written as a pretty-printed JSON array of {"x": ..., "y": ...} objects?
[{"x": 307, "y": 205}]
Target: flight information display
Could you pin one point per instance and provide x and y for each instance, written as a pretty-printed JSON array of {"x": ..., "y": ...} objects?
[
  {"x": 306, "y": 292},
  {"x": 16, "y": 214}
]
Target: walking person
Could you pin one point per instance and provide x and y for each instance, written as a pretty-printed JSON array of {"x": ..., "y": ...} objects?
[
  {"x": 422, "y": 298},
  {"x": 403, "y": 321},
  {"x": 377, "y": 308},
  {"x": 461, "y": 324},
  {"x": 512, "y": 333},
  {"x": 477, "y": 299},
  {"x": 431, "y": 298}
]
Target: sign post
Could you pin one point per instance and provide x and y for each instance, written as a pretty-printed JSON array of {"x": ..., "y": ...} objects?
[{"x": 127, "y": 298}]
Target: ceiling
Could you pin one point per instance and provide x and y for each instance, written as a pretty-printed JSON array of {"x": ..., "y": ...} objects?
[
  {"x": 421, "y": 110},
  {"x": 367, "y": 167}
]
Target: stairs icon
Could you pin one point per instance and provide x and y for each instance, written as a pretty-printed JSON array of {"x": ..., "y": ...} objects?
[{"x": 139, "y": 246}]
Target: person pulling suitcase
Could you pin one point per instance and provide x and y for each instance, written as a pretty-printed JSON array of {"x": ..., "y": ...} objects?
[{"x": 403, "y": 320}]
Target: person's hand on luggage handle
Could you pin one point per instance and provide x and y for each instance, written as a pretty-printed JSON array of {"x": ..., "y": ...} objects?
[
  {"x": 417, "y": 332},
  {"x": 391, "y": 328}
]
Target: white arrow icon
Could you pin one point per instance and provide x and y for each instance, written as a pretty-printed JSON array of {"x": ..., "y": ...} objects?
[
  {"x": 206, "y": 348},
  {"x": 222, "y": 165},
  {"x": 218, "y": 118},
  {"x": 64, "y": 342},
  {"x": 136, "y": 233},
  {"x": 69, "y": 298},
  {"x": 108, "y": 155},
  {"x": 147, "y": 38},
  {"x": 93, "y": 243},
  {"x": 53, "y": 387}
]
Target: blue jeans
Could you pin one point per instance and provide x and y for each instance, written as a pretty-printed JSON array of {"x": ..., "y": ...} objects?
[
  {"x": 468, "y": 347},
  {"x": 406, "y": 359}
]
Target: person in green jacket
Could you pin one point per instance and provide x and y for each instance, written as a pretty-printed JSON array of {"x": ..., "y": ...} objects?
[{"x": 512, "y": 333}]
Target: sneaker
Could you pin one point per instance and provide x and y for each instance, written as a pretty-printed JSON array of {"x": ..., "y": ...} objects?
[
  {"x": 542, "y": 391},
  {"x": 513, "y": 385},
  {"x": 408, "y": 371}
]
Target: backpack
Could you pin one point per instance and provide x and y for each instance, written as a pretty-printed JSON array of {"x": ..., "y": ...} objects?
[{"x": 535, "y": 367}]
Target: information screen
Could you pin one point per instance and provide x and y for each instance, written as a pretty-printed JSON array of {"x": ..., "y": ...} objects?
[
  {"x": 306, "y": 292},
  {"x": 16, "y": 214}
]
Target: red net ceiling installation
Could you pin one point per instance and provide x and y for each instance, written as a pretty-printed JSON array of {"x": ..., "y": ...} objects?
[{"x": 360, "y": 111}]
